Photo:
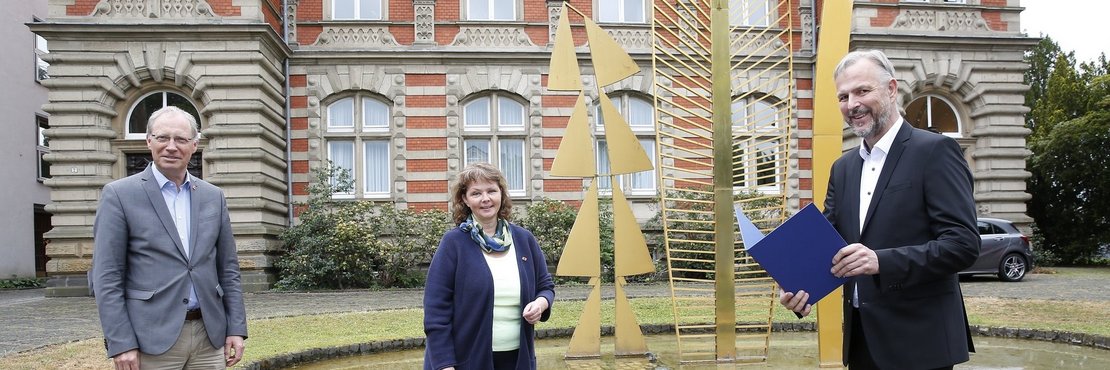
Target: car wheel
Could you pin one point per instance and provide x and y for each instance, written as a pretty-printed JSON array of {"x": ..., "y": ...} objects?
[{"x": 1012, "y": 267}]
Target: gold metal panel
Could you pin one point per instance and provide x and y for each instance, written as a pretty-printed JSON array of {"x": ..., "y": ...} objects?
[
  {"x": 576, "y": 150},
  {"x": 631, "y": 256},
  {"x": 586, "y": 340},
  {"x": 611, "y": 62},
  {"x": 828, "y": 128},
  {"x": 563, "y": 74},
  {"x": 629, "y": 339},
  {"x": 582, "y": 253},
  {"x": 626, "y": 155}
]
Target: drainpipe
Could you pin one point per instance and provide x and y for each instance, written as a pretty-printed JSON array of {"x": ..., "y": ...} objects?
[{"x": 288, "y": 118}]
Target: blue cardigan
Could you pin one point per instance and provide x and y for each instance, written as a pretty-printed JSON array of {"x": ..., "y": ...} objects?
[{"x": 458, "y": 302}]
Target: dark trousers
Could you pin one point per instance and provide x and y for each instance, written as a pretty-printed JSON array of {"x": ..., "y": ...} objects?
[
  {"x": 505, "y": 360},
  {"x": 859, "y": 356}
]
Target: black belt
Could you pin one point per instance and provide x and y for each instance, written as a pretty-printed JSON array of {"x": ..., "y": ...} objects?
[{"x": 193, "y": 314}]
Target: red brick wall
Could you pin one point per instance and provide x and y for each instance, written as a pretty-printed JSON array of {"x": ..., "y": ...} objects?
[
  {"x": 426, "y": 122},
  {"x": 558, "y": 101},
  {"x": 310, "y": 10},
  {"x": 424, "y": 187},
  {"x": 437, "y": 79},
  {"x": 306, "y": 35},
  {"x": 426, "y": 165},
  {"x": 426, "y": 101},
  {"x": 224, "y": 8},
  {"x": 427, "y": 206},
  {"x": 427, "y": 143},
  {"x": 300, "y": 166},
  {"x": 885, "y": 17},
  {"x": 402, "y": 11},
  {"x": 298, "y": 102},
  {"x": 564, "y": 185}
]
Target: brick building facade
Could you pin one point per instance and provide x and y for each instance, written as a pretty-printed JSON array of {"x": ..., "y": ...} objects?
[{"x": 404, "y": 93}]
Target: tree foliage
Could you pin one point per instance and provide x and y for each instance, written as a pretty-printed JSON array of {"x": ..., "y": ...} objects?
[{"x": 1069, "y": 113}]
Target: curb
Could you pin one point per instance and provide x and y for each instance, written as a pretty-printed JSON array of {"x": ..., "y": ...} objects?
[{"x": 317, "y": 354}]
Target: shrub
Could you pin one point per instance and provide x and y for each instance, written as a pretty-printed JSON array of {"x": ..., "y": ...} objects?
[
  {"x": 342, "y": 244},
  {"x": 21, "y": 283}
]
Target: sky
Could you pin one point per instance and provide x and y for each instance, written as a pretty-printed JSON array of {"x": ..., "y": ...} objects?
[{"x": 1076, "y": 25}]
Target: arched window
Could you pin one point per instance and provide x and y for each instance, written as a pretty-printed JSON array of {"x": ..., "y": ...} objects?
[
  {"x": 639, "y": 113},
  {"x": 357, "y": 134},
  {"x": 138, "y": 116},
  {"x": 758, "y": 124},
  {"x": 494, "y": 132},
  {"x": 934, "y": 113},
  {"x": 142, "y": 109}
]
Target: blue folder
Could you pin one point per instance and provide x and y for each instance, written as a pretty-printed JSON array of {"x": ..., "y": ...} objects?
[{"x": 798, "y": 254}]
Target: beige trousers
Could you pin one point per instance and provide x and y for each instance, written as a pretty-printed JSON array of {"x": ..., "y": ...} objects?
[{"x": 191, "y": 351}]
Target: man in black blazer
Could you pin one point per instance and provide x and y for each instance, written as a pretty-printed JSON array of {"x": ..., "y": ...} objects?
[{"x": 903, "y": 201}]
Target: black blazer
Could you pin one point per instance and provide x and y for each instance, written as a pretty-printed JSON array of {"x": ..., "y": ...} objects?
[{"x": 921, "y": 224}]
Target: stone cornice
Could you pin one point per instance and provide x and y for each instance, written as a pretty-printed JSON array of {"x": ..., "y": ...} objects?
[
  {"x": 899, "y": 41},
  {"x": 162, "y": 32}
]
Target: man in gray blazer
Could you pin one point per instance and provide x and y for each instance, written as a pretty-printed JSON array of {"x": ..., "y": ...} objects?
[
  {"x": 903, "y": 200},
  {"x": 165, "y": 272}
]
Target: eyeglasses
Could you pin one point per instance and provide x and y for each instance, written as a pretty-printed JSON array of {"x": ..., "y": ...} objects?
[{"x": 162, "y": 139}]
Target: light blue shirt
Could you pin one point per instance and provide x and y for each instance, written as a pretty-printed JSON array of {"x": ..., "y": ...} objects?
[{"x": 179, "y": 201}]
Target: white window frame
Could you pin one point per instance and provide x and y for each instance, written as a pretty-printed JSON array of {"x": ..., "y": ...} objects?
[
  {"x": 740, "y": 12},
  {"x": 929, "y": 114},
  {"x": 496, "y": 131},
  {"x": 129, "y": 135},
  {"x": 362, "y": 132},
  {"x": 762, "y": 136},
  {"x": 622, "y": 7},
  {"x": 42, "y": 68},
  {"x": 356, "y": 13},
  {"x": 491, "y": 5},
  {"x": 42, "y": 146}
]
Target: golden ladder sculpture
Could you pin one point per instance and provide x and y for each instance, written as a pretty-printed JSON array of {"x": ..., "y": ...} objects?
[{"x": 724, "y": 93}]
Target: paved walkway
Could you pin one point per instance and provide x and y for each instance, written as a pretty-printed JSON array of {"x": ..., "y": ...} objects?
[{"x": 30, "y": 321}]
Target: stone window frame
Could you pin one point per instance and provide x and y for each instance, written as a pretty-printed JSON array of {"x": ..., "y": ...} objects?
[
  {"x": 132, "y": 135},
  {"x": 360, "y": 136}
]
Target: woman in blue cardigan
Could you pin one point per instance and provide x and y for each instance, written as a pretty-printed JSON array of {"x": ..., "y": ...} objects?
[{"x": 488, "y": 282}]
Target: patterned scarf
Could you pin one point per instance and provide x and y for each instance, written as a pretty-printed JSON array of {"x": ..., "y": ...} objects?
[{"x": 497, "y": 243}]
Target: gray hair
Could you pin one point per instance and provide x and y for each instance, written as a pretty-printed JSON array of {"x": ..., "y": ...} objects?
[
  {"x": 875, "y": 56},
  {"x": 170, "y": 110}
]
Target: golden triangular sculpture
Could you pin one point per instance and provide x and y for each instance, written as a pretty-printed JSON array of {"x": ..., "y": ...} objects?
[
  {"x": 582, "y": 254},
  {"x": 563, "y": 73},
  {"x": 629, "y": 339},
  {"x": 586, "y": 340},
  {"x": 625, "y": 153},
  {"x": 611, "y": 62},
  {"x": 576, "y": 150},
  {"x": 631, "y": 256}
]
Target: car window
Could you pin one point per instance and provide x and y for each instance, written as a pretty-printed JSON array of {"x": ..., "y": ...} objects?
[{"x": 985, "y": 228}]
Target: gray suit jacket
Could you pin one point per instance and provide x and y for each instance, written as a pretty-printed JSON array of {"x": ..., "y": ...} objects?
[
  {"x": 141, "y": 277},
  {"x": 921, "y": 224}
]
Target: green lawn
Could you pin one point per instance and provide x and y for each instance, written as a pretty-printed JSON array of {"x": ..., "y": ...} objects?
[{"x": 270, "y": 337}]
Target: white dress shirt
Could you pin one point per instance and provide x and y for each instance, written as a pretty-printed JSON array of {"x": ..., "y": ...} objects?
[
  {"x": 873, "y": 161},
  {"x": 178, "y": 201}
]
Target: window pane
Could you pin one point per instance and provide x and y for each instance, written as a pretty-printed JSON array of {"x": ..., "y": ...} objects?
[
  {"x": 504, "y": 10},
  {"x": 375, "y": 114},
  {"x": 512, "y": 163},
  {"x": 645, "y": 181},
  {"x": 510, "y": 113},
  {"x": 41, "y": 44},
  {"x": 598, "y": 117},
  {"x": 376, "y": 166},
  {"x": 738, "y": 165},
  {"x": 478, "y": 10},
  {"x": 370, "y": 9},
  {"x": 476, "y": 114},
  {"x": 749, "y": 12},
  {"x": 640, "y": 114},
  {"x": 477, "y": 151},
  {"x": 764, "y": 115},
  {"x": 608, "y": 11},
  {"x": 139, "y": 115},
  {"x": 603, "y": 181},
  {"x": 766, "y": 166},
  {"x": 739, "y": 113},
  {"x": 633, "y": 11},
  {"x": 343, "y": 9},
  {"x": 342, "y": 154},
  {"x": 341, "y": 114}
]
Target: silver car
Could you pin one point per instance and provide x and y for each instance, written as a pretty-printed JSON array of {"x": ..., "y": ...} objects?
[{"x": 1005, "y": 252}]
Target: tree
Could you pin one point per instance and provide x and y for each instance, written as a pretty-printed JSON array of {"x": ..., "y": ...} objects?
[{"x": 1072, "y": 186}]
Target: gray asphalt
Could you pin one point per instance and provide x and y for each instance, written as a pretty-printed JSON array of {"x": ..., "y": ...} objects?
[{"x": 31, "y": 321}]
